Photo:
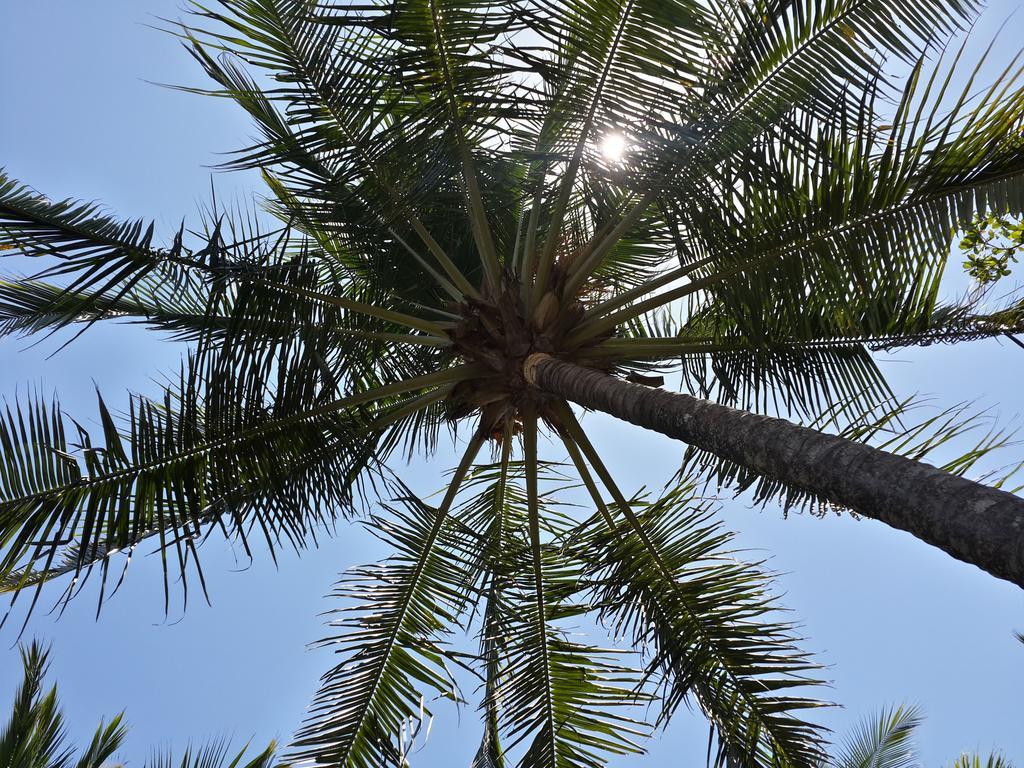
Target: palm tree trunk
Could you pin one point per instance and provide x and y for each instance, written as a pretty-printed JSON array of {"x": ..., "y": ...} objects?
[{"x": 970, "y": 521}]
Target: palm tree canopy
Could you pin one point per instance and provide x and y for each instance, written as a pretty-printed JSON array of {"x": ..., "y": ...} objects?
[
  {"x": 886, "y": 741},
  {"x": 740, "y": 191},
  {"x": 34, "y": 735}
]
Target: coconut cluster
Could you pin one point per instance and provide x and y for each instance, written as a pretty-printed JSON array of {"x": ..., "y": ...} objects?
[{"x": 498, "y": 333}]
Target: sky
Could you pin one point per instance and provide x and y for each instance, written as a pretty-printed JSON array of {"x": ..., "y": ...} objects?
[{"x": 894, "y": 620}]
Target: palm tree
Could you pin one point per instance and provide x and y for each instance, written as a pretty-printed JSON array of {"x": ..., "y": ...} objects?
[
  {"x": 484, "y": 212},
  {"x": 216, "y": 755},
  {"x": 885, "y": 741},
  {"x": 34, "y": 736}
]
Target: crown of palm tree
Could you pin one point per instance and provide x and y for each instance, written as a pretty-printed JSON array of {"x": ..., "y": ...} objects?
[
  {"x": 34, "y": 735},
  {"x": 886, "y": 741},
  {"x": 463, "y": 191}
]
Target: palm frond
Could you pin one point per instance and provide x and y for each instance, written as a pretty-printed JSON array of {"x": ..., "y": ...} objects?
[
  {"x": 882, "y": 742},
  {"x": 32, "y": 306},
  {"x": 865, "y": 211},
  {"x": 101, "y": 261},
  {"x": 994, "y": 760},
  {"x": 253, "y": 444},
  {"x": 34, "y": 736},
  {"x": 495, "y": 510},
  {"x": 105, "y": 742},
  {"x": 664, "y": 577},
  {"x": 549, "y": 700},
  {"x": 391, "y": 637},
  {"x": 369, "y": 69},
  {"x": 560, "y": 699},
  {"x": 816, "y": 57},
  {"x": 101, "y": 255},
  {"x": 215, "y": 754}
]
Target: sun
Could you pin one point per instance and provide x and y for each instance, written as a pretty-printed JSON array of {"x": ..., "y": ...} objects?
[{"x": 613, "y": 146}]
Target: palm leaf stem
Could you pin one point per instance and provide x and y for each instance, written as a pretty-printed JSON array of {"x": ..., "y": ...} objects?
[
  {"x": 530, "y": 427},
  {"x": 490, "y": 753},
  {"x": 398, "y": 318},
  {"x": 603, "y": 324},
  {"x": 581, "y": 269},
  {"x": 643, "y": 289},
  {"x": 547, "y": 255},
  {"x": 515, "y": 262},
  {"x": 445, "y": 284},
  {"x": 586, "y": 476},
  {"x": 399, "y": 338},
  {"x": 578, "y": 435},
  {"x": 527, "y": 273},
  {"x": 10, "y": 210},
  {"x": 670, "y": 347},
  {"x": 408, "y": 408},
  {"x": 470, "y": 186}
]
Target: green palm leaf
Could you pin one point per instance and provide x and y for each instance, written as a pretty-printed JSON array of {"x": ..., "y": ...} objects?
[
  {"x": 215, "y": 754},
  {"x": 671, "y": 590},
  {"x": 563, "y": 703},
  {"x": 391, "y": 638},
  {"x": 214, "y": 446},
  {"x": 976, "y": 761},
  {"x": 882, "y": 742},
  {"x": 34, "y": 735}
]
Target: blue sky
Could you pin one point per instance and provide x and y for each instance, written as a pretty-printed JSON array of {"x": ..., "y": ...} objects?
[{"x": 894, "y": 620}]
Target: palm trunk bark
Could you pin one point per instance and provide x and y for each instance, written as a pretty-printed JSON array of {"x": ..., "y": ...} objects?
[{"x": 970, "y": 521}]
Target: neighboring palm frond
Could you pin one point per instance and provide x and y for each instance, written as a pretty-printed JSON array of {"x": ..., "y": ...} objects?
[
  {"x": 976, "y": 761},
  {"x": 886, "y": 741},
  {"x": 34, "y": 735},
  {"x": 882, "y": 742},
  {"x": 215, "y": 754}
]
